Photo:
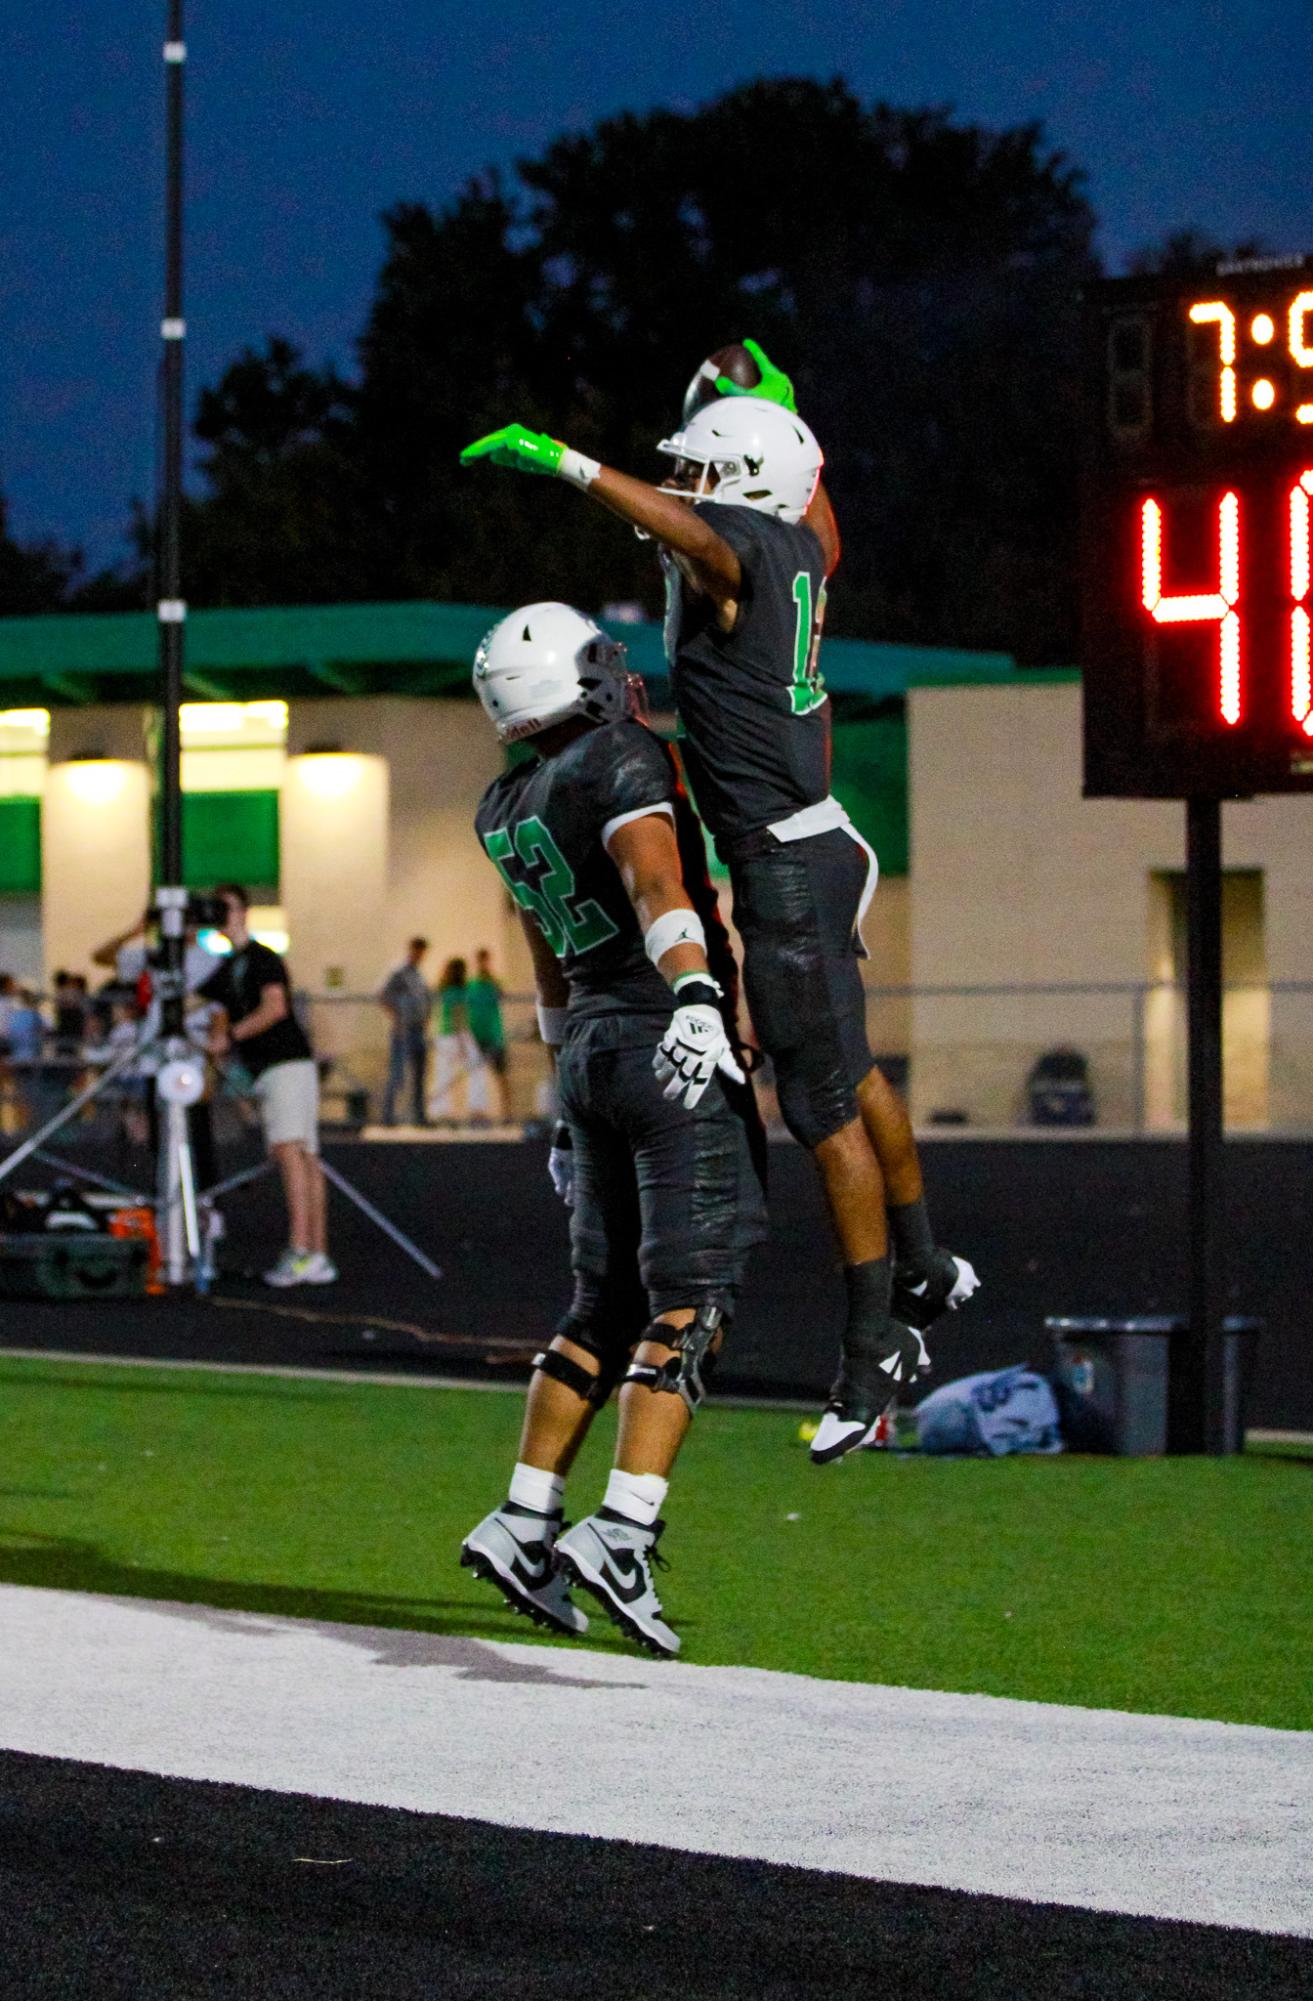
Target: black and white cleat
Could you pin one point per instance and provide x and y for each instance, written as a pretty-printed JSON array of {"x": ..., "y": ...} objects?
[
  {"x": 612, "y": 1558},
  {"x": 866, "y": 1387},
  {"x": 512, "y": 1548}
]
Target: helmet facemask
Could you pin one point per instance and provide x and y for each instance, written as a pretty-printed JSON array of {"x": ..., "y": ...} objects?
[
  {"x": 692, "y": 478},
  {"x": 608, "y": 688}
]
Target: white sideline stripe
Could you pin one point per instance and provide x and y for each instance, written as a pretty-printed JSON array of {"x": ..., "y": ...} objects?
[
  {"x": 398, "y": 1381},
  {"x": 383, "y": 1379},
  {"x": 293, "y": 1373},
  {"x": 1150, "y": 1815}
]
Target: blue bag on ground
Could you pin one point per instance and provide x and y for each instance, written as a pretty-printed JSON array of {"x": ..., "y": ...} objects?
[{"x": 996, "y": 1412}]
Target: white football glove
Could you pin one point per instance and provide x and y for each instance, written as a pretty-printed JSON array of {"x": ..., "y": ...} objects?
[
  {"x": 690, "y": 1052},
  {"x": 560, "y": 1164}
]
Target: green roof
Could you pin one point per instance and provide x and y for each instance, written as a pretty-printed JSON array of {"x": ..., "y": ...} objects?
[{"x": 368, "y": 649}]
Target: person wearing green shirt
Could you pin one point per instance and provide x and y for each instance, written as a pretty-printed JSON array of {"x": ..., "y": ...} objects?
[
  {"x": 483, "y": 1001},
  {"x": 454, "y": 1050}
]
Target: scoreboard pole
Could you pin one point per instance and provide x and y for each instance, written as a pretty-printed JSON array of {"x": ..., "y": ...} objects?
[{"x": 1196, "y": 1416}]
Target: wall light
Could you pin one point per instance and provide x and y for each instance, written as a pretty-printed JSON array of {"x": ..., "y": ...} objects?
[
  {"x": 209, "y": 719},
  {"x": 272, "y": 714},
  {"x": 96, "y": 781},
  {"x": 36, "y": 720},
  {"x": 329, "y": 774},
  {"x": 202, "y": 722}
]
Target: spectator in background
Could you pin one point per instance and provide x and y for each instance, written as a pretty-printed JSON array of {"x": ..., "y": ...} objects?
[
  {"x": 27, "y": 1028},
  {"x": 453, "y": 1044},
  {"x": 406, "y": 997},
  {"x": 254, "y": 1021},
  {"x": 135, "y": 1089},
  {"x": 483, "y": 1002},
  {"x": 27, "y": 1044},
  {"x": 8, "y": 1002},
  {"x": 127, "y": 955},
  {"x": 70, "y": 1009}
]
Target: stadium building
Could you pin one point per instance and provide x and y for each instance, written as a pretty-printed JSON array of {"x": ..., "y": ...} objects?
[{"x": 332, "y": 758}]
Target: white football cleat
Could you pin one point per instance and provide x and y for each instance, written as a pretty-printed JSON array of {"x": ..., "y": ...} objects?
[
  {"x": 513, "y": 1549},
  {"x": 612, "y": 1557}
]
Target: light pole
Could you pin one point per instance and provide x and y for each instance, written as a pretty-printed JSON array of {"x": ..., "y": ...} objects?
[{"x": 175, "y": 1084}]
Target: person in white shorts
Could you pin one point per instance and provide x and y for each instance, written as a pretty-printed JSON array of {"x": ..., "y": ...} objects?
[{"x": 255, "y": 1023}]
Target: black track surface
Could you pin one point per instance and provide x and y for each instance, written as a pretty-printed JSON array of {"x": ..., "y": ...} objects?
[
  {"x": 134, "y": 1888},
  {"x": 1089, "y": 1226}
]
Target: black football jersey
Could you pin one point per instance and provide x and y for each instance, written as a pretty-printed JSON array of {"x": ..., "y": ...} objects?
[
  {"x": 542, "y": 825},
  {"x": 754, "y": 716}
]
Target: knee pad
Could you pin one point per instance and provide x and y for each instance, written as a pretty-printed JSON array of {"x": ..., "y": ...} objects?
[
  {"x": 688, "y": 1371},
  {"x": 814, "y": 1106},
  {"x": 592, "y": 1389}
]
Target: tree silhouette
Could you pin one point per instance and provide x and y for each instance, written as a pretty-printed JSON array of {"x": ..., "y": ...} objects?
[{"x": 916, "y": 275}]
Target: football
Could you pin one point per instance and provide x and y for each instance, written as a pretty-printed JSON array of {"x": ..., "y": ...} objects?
[{"x": 733, "y": 361}]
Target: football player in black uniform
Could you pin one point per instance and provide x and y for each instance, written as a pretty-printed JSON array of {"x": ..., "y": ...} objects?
[
  {"x": 743, "y": 629},
  {"x": 596, "y": 842},
  {"x": 927, "y": 1281}
]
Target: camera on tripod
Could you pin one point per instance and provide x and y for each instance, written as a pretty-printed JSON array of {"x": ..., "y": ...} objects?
[{"x": 204, "y": 912}]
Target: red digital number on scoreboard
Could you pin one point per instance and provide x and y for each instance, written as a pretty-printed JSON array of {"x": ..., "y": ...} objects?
[
  {"x": 1197, "y": 539},
  {"x": 1224, "y": 607}
]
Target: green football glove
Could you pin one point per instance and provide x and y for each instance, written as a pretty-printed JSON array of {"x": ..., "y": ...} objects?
[
  {"x": 523, "y": 451},
  {"x": 774, "y": 387}
]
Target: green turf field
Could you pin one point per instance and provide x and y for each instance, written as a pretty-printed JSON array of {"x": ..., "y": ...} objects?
[{"x": 1170, "y": 1585}]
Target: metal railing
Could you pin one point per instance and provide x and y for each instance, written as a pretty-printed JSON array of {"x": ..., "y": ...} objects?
[
  {"x": 972, "y": 1053},
  {"x": 965, "y": 1055}
]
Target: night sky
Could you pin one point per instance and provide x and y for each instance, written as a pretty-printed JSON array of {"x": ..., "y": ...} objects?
[{"x": 309, "y": 117}]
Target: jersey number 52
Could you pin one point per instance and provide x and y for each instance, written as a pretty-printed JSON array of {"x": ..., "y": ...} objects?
[{"x": 542, "y": 882}]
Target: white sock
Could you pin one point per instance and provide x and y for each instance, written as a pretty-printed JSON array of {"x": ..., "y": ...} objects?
[
  {"x": 532, "y": 1488},
  {"x": 637, "y": 1496}
]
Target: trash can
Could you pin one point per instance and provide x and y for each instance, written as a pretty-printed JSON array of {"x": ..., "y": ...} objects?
[{"x": 1111, "y": 1378}]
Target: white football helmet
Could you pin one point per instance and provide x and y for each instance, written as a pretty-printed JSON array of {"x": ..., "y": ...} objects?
[
  {"x": 547, "y": 662},
  {"x": 763, "y": 456}
]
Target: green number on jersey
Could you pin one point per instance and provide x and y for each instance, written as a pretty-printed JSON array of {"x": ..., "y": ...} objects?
[
  {"x": 807, "y": 691},
  {"x": 567, "y": 926}
]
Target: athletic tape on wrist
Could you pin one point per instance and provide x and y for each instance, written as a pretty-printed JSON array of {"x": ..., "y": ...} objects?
[
  {"x": 683, "y": 980},
  {"x": 551, "y": 1025},
  {"x": 577, "y": 469},
  {"x": 673, "y": 927}
]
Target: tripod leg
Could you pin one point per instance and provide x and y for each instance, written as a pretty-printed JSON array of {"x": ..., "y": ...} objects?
[
  {"x": 66, "y": 1113},
  {"x": 90, "y": 1176},
  {"x": 389, "y": 1229},
  {"x": 180, "y": 1238},
  {"x": 187, "y": 1189}
]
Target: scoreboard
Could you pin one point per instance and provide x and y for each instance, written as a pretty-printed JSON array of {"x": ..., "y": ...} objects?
[{"x": 1197, "y": 533}]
